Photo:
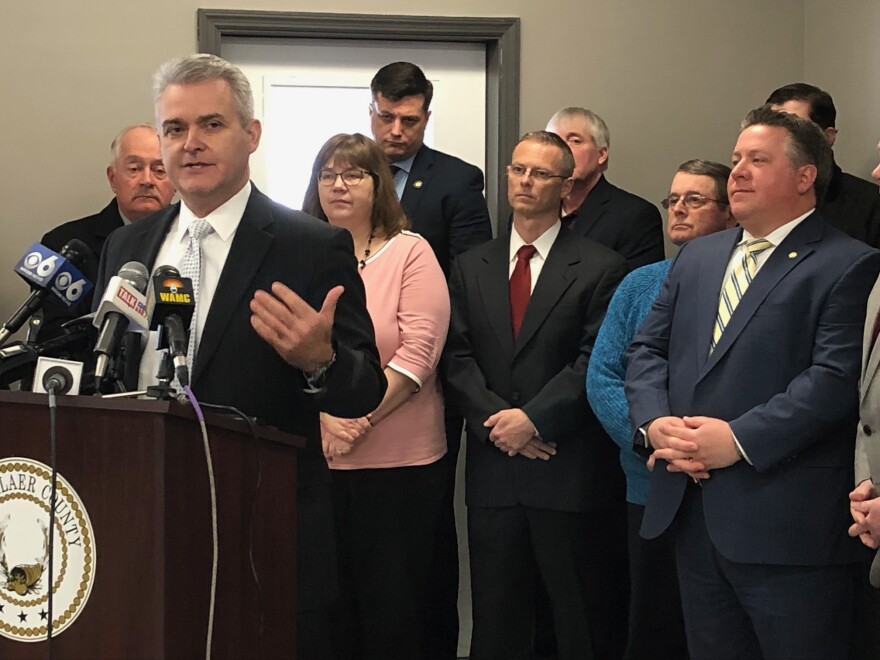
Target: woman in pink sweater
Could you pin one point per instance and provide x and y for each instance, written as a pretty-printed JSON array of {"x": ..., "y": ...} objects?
[{"x": 387, "y": 482}]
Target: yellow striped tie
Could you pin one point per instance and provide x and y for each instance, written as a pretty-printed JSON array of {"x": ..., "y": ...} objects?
[{"x": 736, "y": 285}]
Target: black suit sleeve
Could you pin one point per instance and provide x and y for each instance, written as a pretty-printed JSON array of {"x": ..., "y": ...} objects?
[
  {"x": 644, "y": 242},
  {"x": 356, "y": 383},
  {"x": 469, "y": 223},
  {"x": 465, "y": 382}
]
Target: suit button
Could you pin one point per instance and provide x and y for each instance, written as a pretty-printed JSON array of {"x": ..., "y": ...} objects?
[
  {"x": 867, "y": 429},
  {"x": 515, "y": 397}
]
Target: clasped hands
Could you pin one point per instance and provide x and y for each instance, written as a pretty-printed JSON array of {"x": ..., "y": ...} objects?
[
  {"x": 864, "y": 506},
  {"x": 338, "y": 434},
  {"x": 694, "y": 445},
  {"x": 513, "y": 433}
]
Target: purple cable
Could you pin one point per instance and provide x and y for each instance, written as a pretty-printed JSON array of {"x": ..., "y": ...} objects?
[{"x": 194, "y": 402}]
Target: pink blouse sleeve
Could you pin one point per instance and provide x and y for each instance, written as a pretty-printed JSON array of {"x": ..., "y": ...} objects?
[{"x": 422, "y": 315}]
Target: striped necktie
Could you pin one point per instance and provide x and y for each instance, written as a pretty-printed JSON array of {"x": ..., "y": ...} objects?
[
  {"x": 191, "y": 267},
  {"x": 735, "y": 287}
]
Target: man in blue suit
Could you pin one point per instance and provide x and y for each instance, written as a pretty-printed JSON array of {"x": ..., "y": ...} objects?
[{"x": 743, "y": 383}]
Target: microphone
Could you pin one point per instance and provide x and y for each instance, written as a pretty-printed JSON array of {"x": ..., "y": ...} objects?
[
  {"x": 123, "y": 308},
  {"x": 47, "y": 271},
  {"x": 58, "y": 379},
  {"x": 170, "y": 305}
]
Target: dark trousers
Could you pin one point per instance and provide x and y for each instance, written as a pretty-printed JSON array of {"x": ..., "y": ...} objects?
[
  {"x": 443, "y": 590},
  {"x": 385, "y": 522},
  {"x": 735, "y": 611},
  {"x": 866, "y": 640},
  {"x": 656, "y": 624},
  {"x": 509, "y": 547}
]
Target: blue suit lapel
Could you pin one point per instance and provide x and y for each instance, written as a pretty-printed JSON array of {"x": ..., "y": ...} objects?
[
  {"x": 711, "y": 278},
  {"x": 419, "y": 176},
  {"x": 786, "y": 256},
  {"x": 494, "y": 285},
  {"x": 249, "y": 247},
  {"x": 555, "y": 279}
]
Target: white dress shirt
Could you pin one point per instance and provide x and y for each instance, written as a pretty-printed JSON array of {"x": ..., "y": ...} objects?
[
  {"x": 542, "y": 244},
  {"x": 215, "y": 249}
]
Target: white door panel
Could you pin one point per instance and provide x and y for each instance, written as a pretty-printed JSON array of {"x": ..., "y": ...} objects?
[{"x": 306, "y": 90}]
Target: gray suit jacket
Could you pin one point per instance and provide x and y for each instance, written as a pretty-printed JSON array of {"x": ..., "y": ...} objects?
[{"x": 867, "y": 446}]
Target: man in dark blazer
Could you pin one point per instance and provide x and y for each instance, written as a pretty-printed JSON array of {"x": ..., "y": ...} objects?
[
  {"x": 443, "y": 197},
  {"x": 851, "y": 204},
  {"x": 141, "y": 186},
  {"x": 747, "y": 394},
  {"x": 539, "y": 473},
  {"x": 596, "y": 209},
  {"x": 281, "y": 320}
]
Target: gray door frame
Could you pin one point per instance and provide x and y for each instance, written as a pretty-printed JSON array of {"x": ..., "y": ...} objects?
[{"x": 501, "y": 37}]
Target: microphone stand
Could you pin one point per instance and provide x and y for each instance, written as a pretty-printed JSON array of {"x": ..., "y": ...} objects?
[{"x": 164, "y": 390}]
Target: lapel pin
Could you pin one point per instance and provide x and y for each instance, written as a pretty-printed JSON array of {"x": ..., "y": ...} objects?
[
  {"x": 792, "y": 255},
  {"x": 417, "y": 184}
]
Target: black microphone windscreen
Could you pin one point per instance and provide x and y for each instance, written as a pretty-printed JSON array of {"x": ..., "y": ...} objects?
[{"x": 76, "y": 252}]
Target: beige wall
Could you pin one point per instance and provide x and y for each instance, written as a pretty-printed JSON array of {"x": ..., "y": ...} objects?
[
  {"x": 672, "y": 78},
  {"x": 842, "y": 56}
]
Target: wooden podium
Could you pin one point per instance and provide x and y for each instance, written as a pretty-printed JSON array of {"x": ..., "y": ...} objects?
[{"x": 139, "y": 468}]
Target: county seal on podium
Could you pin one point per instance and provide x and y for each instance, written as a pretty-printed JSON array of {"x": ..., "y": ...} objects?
[{"x": 25, "y": 492}]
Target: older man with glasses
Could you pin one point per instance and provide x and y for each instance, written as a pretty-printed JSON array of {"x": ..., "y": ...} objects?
[{"x": 696, "y": 206}]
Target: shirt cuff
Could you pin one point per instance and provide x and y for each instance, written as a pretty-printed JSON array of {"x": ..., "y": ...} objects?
[
  {"x": 408, "y": 374},
  {"x": 740, "y": 449}
]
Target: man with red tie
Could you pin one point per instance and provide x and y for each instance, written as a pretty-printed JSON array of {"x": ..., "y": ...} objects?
[{"x": 526, "y": 308}]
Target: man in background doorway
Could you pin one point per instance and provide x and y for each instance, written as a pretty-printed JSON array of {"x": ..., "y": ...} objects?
[{"x": 443, "y": 197}]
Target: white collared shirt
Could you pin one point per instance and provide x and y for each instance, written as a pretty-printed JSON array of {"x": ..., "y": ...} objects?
[
  {"x": 542, "y": 244},
  {"x": 215, "y": 249},
  {"x": 775, "y": 237}
]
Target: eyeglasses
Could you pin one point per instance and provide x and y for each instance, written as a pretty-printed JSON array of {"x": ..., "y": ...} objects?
[
  {"x": 349, "y": 177},
  {"x": 691, "y": 200},
  {"x": 537, "y": 174}
]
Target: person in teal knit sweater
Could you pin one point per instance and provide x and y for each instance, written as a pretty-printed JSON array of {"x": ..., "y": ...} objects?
[{"x": 697, "y": 205}]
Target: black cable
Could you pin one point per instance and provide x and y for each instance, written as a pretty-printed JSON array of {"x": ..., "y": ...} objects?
[{"x": 250, "y": 516}]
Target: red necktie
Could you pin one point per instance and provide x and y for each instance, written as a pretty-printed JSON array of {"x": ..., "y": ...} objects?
[{"x": 520, "y": 286}]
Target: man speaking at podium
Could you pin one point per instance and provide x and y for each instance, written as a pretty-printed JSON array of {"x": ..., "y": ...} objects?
[{"x": 280, "y": 328}]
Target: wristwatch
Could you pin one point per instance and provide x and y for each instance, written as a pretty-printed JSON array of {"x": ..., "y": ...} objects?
[{"x": 315, "y": 379}]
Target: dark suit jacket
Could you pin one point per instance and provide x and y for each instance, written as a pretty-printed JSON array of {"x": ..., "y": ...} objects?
[
  {"x": 626, "y": 223},
  {"x": 444, "y": 201},
  {"x": 542, "y": 372},
  {"x": 853, "y": 206},
  {"x": 784, "y": 375},
  {"x": 93, "y": 231},
  {"x": 234, "y": 366}
]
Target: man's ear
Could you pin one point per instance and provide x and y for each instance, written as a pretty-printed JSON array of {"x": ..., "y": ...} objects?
[
  {"x": 830, "y": 135},
  {"x": 806, "y": 177},
  {"x": 111, "y": 178}
]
